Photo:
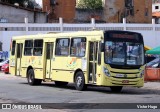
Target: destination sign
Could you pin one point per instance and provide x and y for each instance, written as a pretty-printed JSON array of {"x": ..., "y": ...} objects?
[{"x": 124, "y": 36}]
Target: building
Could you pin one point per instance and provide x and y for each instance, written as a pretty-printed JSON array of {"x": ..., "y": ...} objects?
[
  {"x": 135, "y": 11},
  {"x": 59, "y": 8},
  {"x": 156, "y": 6},
  {"x": 16, "y": 14},
  {"x": 156, "y": 11}
]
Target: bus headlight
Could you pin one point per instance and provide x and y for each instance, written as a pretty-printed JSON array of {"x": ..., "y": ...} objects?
[
  {"x": 142, "y": 74},
  {"x": 106, "y": 72}
]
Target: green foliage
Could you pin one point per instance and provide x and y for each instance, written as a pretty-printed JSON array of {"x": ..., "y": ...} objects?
[{"x": 90, "y": 4}]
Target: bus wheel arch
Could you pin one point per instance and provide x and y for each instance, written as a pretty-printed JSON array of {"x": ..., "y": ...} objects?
[
  {"x": 29, "y": 67},
  {"x": 79, "y": 80}
]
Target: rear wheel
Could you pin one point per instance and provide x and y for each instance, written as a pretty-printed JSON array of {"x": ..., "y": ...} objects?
[
  {"x": 31, "y": 78},
  {"x": 59, "y": 83},
  {"x": 116, "y": 89},
  {"x": 80, "y": 81}
]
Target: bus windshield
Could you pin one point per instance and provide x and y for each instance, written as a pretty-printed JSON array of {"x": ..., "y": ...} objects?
[{"x": 124, "y": 53}]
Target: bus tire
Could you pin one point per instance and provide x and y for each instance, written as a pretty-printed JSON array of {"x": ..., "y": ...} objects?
[
  {"x": 59, "y": 83},
  {"x": 116, "y": 89},
  {"x": 31, "y": 78},
  {"x": 80, "y": 81}
]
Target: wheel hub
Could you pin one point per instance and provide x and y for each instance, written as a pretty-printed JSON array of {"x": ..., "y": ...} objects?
[
  {"x": 30, "y": 78},
  {"x": 79, "y": 81}
]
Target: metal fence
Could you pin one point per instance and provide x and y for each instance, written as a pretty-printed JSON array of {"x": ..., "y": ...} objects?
[
  {"x": 150, "y": 31},
  {"x": 66, "y": 27}
]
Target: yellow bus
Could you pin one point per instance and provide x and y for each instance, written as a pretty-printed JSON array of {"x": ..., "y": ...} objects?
[{"x": 103, "y": 58}]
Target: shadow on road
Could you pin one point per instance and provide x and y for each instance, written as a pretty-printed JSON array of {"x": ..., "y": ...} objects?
[{"x": 106, "y": 90}]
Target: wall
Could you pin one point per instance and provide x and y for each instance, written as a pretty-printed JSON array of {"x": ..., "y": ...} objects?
[
  {"x": 17, "y": 15},
  {"x": 62, "y": 8},
  {"x": 83, "y": 15},
  {"x": 150, "y": 32},
  {"x": 115, "y": 10},
  {"x": 141, "y": 7}
]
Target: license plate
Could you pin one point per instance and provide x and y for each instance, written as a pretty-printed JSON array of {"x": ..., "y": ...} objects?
[
  {"x": 119, "y": 75},
  {"x": 125, "y": 81}
]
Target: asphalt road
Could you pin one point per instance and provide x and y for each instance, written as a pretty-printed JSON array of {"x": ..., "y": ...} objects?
[{"x": 16, "y": 90}]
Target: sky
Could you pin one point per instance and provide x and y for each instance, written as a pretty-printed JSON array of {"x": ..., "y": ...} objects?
[{"x": 39, "y": 2}]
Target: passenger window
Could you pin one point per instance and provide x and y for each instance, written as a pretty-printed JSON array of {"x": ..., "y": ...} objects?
[
  {"x": 13, "y": 47},
  {"x": 62, "y": 47},
  {"x": 78, "y": 47},
  {"x": 38, "y": 47},
  {"x": 28, "y": 49}
]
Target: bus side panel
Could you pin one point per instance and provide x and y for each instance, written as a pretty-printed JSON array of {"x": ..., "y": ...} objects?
[
  {"x": 64, "y": 68},
  {"x": 36, "y": 62},
  {"x": 38, "y": 67},
  {"x": 23, "y": 72},
  {"x": 38, "y": 73},
  {"x": 12, "y": 65},
  {"x": 24, "y": 66}
]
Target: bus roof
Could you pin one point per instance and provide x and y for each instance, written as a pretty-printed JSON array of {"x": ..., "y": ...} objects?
[
  {"x": 66, "y": 34},
  {"x": 59, "y": 35}
]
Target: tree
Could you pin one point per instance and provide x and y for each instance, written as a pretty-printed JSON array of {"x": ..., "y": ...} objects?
[{"x": 90, "y": 4}]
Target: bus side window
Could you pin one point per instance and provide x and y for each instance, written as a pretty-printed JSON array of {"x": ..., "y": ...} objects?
[
  {"x": 13, "y": 47},
  {"x": 38, "y": 47},
  {"x": 62, "y": 47},
  {"x": 28, "y": 49},
  {"x": 78, "y": 46}
]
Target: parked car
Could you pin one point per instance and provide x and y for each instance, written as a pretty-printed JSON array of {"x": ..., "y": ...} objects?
[
  {"x": 154, "y": 63},
  {"x": 152, "y": 70},
  {"x": 3, "y": 62},
  {"x": 5, "y": 68}
]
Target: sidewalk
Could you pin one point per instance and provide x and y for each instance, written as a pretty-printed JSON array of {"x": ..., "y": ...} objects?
[{"x": 152, "y": 85}]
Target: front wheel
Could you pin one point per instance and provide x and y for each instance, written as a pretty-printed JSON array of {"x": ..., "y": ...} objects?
[
  {"x": 80, "y": 81},
  {"x": 116, "y": 89},
  {"x": 31, "y": 78}
]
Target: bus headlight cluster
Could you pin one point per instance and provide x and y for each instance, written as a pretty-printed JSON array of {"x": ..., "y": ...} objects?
[
  {"x": 142, "y": 74},
  {"x": 106, "y": 72}
]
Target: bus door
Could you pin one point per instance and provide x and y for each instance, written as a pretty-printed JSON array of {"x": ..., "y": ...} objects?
[
  {"x": 49, "y": 56},
  {"x": 18, "y": 59},
  {"x": 92, "y": 61}
]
